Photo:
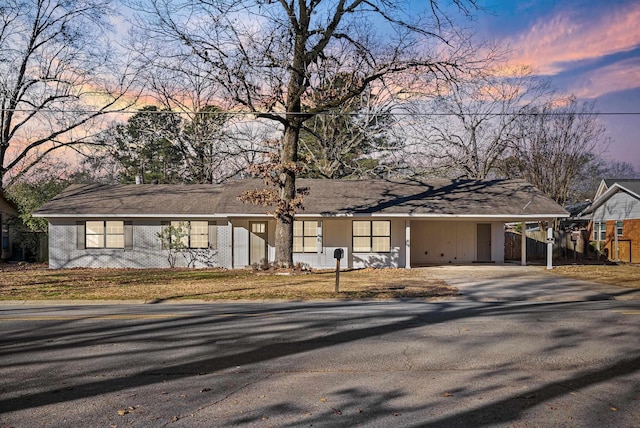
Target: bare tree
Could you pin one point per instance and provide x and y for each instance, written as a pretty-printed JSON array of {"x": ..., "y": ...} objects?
[
  {"x": 620, "y": 170},
  {"x": 350, "y": 141},
  {"x": 468, "y": 124},
  {"x": 215, "y": 143},
  {"x": 585, "y": 187},
  {"x": 55, "y": 79},
  {"x": 269, "y": 55},
  {"x": 557, "y": 144}
]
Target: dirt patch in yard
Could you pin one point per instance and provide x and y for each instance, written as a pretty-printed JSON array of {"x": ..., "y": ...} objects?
[{"x": 39, "y": 283}]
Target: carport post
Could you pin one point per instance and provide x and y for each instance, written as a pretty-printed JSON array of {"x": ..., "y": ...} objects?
[
  {"x": 407, "y": 244},
  {"x": 550, "y": 242},
  {"x": 523, "y": 244}
]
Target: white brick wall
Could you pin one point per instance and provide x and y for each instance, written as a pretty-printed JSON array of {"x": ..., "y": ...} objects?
[{"x": 147, "y": 249}]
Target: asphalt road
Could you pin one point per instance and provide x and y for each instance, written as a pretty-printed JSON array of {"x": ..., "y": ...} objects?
[{"x": 333, "y": 364}]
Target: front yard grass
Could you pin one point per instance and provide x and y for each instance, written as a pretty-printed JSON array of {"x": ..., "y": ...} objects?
[
  {"x": 624, "y": 275},
  {"x": 215, "y": 284},
  {"x": 40, "y": 283}
]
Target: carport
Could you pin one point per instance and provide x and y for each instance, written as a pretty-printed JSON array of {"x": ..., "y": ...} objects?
[{"x": 458, "y": 241}]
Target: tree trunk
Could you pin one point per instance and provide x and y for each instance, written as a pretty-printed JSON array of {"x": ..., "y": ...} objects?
[
  {"x": 289, "y": 149},
  {"x": 284, "y": 221}
]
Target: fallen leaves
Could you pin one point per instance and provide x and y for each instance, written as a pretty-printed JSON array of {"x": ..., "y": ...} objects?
[{"x": 130, "y": 409}]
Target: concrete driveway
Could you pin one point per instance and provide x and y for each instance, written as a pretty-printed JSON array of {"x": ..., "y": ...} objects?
[{"x": 511, "y": 282}]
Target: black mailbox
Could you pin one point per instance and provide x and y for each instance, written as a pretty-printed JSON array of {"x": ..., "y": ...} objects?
[{"x": 338, "y": 253}]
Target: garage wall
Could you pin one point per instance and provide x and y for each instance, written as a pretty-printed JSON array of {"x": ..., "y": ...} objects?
[{"x": 451, "y": 242}]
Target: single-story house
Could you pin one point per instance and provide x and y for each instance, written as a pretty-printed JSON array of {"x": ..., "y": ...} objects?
[
  {"x": 7, "y": 210},
  {"x": 615, "y": 219},
  {"x": 377, "y": 223}
]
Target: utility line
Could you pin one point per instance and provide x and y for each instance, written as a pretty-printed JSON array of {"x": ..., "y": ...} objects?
[{"x": 326, "y": 112}]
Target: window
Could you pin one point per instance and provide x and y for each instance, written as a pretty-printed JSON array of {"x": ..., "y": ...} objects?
[
  {"x": 104, "y": 234},
  {"x": 305, "y": 236},
  {"x": 599, "y": 230},
  {"x": 372, "y": 236},
  {"x": 259, "y": 228},
  {"x": 619, "y": 228},
  {"x": 192, "y": 234}
]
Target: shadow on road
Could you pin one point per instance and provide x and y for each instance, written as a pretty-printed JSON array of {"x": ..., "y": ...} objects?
[{"x": 209, "y": 329}]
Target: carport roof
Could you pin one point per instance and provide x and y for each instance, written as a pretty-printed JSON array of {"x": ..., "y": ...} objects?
[{"x": 433, "y": 198}]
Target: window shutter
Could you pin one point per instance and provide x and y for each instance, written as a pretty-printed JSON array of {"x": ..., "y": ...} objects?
[
  {"x": 80, "y": 237},
  {"x": 213, "y": 235},
  {"x": 128, "y": 235}
]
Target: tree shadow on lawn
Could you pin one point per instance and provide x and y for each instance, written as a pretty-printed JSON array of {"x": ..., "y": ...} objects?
[{"x": 387, "y": 323}]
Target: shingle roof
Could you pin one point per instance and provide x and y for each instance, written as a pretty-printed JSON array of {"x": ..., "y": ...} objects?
[
  {"x": 513, "y": 198},
  {"x": 613, "y": 186},
  {"x": 629, "y": 184}
]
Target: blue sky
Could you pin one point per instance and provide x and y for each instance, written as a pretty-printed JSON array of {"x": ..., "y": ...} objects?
[{"x": 587, "y": 48}]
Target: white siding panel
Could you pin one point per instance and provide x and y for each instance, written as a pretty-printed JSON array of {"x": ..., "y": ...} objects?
[
  {"x": 271, "y": 240},
  {"x": 497, "y": 242},
  {"x": 337, "y": 234},
  {"x": 620, "y": 206},
  {"x": 466, "y": 242},
  {"x": 240, "y": 243}
]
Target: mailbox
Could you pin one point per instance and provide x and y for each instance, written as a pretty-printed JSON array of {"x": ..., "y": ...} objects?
[{"x": 338, "y": 253}]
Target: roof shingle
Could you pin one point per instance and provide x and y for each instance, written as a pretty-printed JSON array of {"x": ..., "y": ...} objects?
[{"x": 326, "y": 197}]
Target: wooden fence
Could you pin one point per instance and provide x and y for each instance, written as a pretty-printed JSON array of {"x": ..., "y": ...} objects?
[{"x": 567, "y": 245}]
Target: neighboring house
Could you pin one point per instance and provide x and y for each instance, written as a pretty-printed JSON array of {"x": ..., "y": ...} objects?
[
  {"x": 615, "y": 219},
  {"x": 375, "y": 222},
  {"x": 7, "y": 210}
]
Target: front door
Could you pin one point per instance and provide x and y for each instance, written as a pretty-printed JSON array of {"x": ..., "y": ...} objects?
[
  {"x": 257, "y": 242},
  {"x": 484, "y": 242}
]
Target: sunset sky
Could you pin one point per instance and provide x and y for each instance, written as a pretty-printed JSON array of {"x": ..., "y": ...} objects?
[{"x": 588, "y": 48}]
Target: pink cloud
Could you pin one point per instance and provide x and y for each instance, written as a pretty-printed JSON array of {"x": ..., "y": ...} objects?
[
  {"x": 617, "y": 77},
  {"x": 565, "y": 38}
]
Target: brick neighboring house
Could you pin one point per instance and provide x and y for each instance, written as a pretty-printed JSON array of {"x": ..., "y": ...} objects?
[
  {"x": 376, "y": 223},
  {"x": 7, "y": 210},
  {"x": 615, "y": 219}
]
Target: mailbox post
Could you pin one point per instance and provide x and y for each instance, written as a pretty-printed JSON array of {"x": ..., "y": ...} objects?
[
  {"x": 575, "y": 237},
  {"x": 338, "y": 254}
]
